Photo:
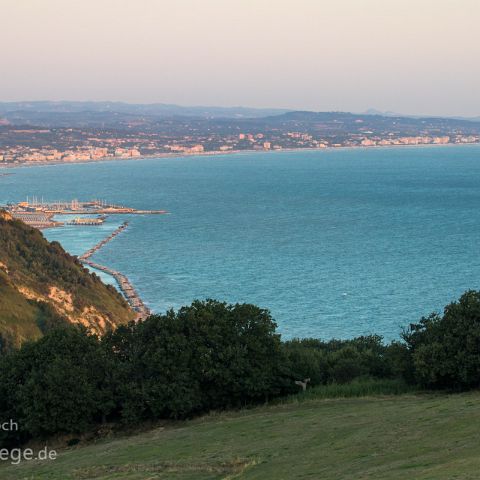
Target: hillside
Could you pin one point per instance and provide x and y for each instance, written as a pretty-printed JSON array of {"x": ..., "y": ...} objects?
[
  {"x": 377, "y": 438},
  {"x": 41, "y": 285}
]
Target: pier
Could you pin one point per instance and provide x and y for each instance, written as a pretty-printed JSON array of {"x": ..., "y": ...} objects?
[
  {"x": 38, "y": 220},
  {"x": 127, "y": 289},
  {"x": 80, "y": 221}
]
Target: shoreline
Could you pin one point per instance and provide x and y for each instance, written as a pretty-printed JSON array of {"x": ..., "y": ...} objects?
[{"x": 215, "y": 153}]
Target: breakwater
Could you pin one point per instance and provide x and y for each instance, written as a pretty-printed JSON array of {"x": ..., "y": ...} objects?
[
  {"x": 99, "y": 245},
  {"x": 127, "y": 289}
]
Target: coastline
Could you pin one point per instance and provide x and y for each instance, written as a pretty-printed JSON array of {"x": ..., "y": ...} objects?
[
  {"x": 230, "y": 152},
  {"x": 174, "y": 280}
]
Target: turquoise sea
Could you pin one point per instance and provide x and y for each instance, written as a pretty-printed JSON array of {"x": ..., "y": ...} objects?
[{"x": 335, "y": 243}]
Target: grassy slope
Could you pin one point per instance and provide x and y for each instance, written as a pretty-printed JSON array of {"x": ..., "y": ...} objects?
[
  {"x": 18, "y": 317},
  {"x": 377, "y": 437},
  {"x": 34, "y": 263}
]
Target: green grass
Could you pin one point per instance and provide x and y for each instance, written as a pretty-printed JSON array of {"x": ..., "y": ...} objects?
[
  {"x": 357, "y": 388},
  {"x": 17, "y": 315},
  {"x": 407, "y": 436}
]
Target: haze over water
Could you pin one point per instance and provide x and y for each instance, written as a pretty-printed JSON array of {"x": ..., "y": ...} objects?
[{"x": 335, "y": 243}]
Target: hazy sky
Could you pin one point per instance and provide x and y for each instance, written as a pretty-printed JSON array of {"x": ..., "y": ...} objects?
[{"x": 408, "y": 56}]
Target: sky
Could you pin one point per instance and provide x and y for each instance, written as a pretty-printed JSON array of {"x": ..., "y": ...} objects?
[{"x": 405, "y": 56}]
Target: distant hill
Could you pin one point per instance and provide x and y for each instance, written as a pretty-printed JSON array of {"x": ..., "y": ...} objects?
[
  {"x": 180, "y": 121},
  {"x": 35, "y": 111},
  {"x": 352, "y": 122},
  {"x": 388, "y": 113},
  {"x": 41, "y": 286},
  {"x": 155, "y": 129}
]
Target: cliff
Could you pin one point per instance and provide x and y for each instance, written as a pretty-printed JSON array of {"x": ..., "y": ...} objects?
[{"x": 42, "y": 286}]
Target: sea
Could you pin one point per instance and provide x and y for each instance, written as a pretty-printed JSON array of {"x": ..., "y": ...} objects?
[{"x": 335, "y": 243}]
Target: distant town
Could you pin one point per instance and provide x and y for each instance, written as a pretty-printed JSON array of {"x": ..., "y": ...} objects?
[{"x": 42, "y": 134}]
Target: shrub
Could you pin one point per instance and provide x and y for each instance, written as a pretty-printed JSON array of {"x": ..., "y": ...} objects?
[
  {"x": 341, "y": 361},
  {"x": 207, "y": 355},
  {"x": 446, "y": 349},
  {"x": 57, "y": 384}
]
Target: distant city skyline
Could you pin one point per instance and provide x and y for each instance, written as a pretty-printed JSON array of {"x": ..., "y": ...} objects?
[{"x": 413, "y": 57}]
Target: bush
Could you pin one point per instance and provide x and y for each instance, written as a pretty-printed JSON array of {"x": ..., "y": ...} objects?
[
  {"x": 305, "y": 361},
  {"x": 341, "y": 361},
  {"x": 208, "y": 355},
  {"x": 55, "y": 385},
  {"x": 445, "y": 349}
]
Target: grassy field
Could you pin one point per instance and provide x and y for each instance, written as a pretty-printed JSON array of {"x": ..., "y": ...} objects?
[{"x": 407, "y": 436}]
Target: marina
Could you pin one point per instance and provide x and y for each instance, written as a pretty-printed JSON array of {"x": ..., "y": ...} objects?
[{"x": 40, "y": 214}]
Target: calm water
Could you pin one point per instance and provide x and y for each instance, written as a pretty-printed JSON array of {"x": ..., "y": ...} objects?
[{"x": 335, "y": 244}]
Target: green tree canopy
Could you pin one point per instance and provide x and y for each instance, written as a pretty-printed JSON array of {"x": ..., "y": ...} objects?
[{"x": 445, "y": 348}]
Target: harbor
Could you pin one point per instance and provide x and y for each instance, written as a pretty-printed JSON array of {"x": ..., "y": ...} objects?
[
  {"x": 40, "y": 214},
  {"x": 124, "y": 284}
]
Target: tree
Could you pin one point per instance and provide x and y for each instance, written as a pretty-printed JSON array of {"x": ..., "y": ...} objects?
[
  {"x": 236, "y": 350},
  {"x": 207, "y": 355},
  {"x": 154, "y": 375},
  {"x": 59, "y": 383},
  {"x": 305, "y": 360},
  {"x": 446, "y": 349}
]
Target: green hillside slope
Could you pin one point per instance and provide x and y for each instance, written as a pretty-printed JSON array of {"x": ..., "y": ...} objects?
[
  {"x": 41, "y": 285},
  {"x": 375, "y": 438}
]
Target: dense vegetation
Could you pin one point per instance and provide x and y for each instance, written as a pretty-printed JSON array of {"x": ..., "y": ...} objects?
[
  {"x": 445, "y": 350},
  {"x": 211, "y": 355},
  {"x": 30, "y": 263}
]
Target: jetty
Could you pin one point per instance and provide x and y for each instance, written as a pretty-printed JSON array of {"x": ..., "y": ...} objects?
[
  {"x": 127, "y": 289},
  {"x": 99, "y": 245}
]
